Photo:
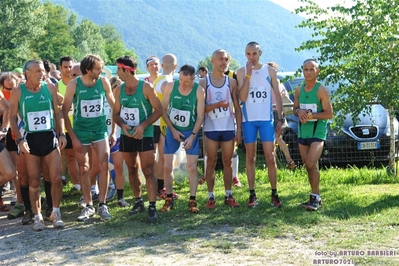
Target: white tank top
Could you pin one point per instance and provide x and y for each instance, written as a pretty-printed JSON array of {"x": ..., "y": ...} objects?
[
  {"x": 258, "y": 106},
  {"x": 219, "y": 119},
  {"x": 158, "y": 88}
]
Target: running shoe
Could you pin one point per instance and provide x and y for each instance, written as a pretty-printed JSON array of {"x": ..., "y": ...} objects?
[
  {"x": 27, "y": 218},
  {"x": 137, "y": 208},
  {"x": 3, "y": 207},
  {"x": 253, "y": 201},
  {"x": 211, "y": 203},
  {"x": 86, "y": 213},
  {"x": 313, "y": 203},
  {"x": 236, "y": 182},
  {"x": 56, "y": 218},
  {"x": 94, "y": 196},
  {"x": 276, "y": 202},
  {"x": 17, "y": 212},
  {"x": 169, "y": 203},
  {"x": 38, "y": 224},
  {"x": 192, "y": 206},
  {"x": 231, "y": 202},
  {"x": 152, "y": 215},
  {"x": 122, "y": 203},
  {"x": 104, "y": 213}
]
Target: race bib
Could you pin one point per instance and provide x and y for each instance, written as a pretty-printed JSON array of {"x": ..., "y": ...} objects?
[
  {"x": 39, "y": 121},
  {"x": 91, "y": 108},
  {"x": 258, "y": 94},
  {"x": 218, "y": 113},
  {"x": 179, "y": 117},
  {"x": 130, "y": 116},
  {"x": 311, "y": 108},
  {"x": 108, "y": 113}
]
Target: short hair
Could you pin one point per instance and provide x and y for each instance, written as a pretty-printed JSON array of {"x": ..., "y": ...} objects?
[
  {"x": 67, "y": 59},
  {"x": 187, "y": 70},
  {"x": 128, "y": 60},
  {"x": 203, "y": 68},
  {"x": 28, "y": 64},
  {"x": 46, "y": 64},
  {"x": 220, "y": 51},
  {"x": 6, "y": 75},
  {"x": 273, "y": 65},
  {"x": 115, "y": 81},
  {"x": 151, "y": 58},
  {"x": 311, "y": 60},
  {"x": 88, "y": 62},
  {"x": 253, "y": 44}
]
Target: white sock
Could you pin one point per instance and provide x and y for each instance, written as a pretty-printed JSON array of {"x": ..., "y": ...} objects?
[
  {"x": 39, "y": 215},
  {"x": 77, "y": 186},
  {"x": 63, "y": 177},
  {"x": 235, "y": 164},
  {"x": 316, "y": 195},
  {"x": 56, "y": 209},
  {"x": 211, "y": 195},
  {"x": 228, "y": 193}
]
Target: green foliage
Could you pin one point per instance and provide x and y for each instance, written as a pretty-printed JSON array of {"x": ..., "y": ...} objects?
[
  {"x": 359, "y": 51},
  {"x": 21, "y": 23},
  {"x": 30, "y": 29}
]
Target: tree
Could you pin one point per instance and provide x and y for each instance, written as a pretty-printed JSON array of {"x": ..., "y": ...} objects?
[
  {"x": 88, "y": 40},
  {"x": 21, "y": 22},
  {"x": 57, "y": 40},
  {"x": 359, "y": 51}
]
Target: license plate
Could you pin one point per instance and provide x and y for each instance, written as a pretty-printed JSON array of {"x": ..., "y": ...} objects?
[{"x": 368, "y": 145}]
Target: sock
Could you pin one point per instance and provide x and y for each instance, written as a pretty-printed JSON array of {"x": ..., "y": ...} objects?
[
  {"x": 56, "y": 210},
  {"x": 139, "y": 199},
  {"x": 274, "y": 192},
  {"x": 63, "y": 178},
  {"x": 228, "y": 193},
  {"x": 152, "y": 204},
  {"x": 119, "y": 192},
  {"x": 77, "y": 186},
  {"x": 161, "y": 184},
  {"x": 211, "y": 195},
  {"x": 235, "y": 164},
  {"x": 192, "y": 197},
  {"x": 316, "y": 195},
  {"x": 101, "y": 204},
  {"x": 25, "y": 197},
  {"x": 252, "y": 192},
  {"x": 47, "y": 190},
  {"x": 39, "y": 215}
]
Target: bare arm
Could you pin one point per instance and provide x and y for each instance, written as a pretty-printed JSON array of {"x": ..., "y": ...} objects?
[
  {"x": 108, "y": 92},
  {"x": 237, "y": 108},
  {"x": 116, "y": 115},
  {"x": 59, "y": 118},
  {"x": 5, "y": 107},
  {"x": 324, "y": 97},
  {"x": 243, "y": 84},
  {"x": 69, "y": 94}
]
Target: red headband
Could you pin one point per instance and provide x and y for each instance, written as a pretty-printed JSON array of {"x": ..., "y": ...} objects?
[{"x": 125, "y": 67}]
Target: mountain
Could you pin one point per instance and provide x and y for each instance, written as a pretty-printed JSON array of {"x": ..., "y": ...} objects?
[{"x": 192, "y": 30}]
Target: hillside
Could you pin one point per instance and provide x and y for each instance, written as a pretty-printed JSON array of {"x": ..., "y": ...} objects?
[{"x": 194, "y": 29}]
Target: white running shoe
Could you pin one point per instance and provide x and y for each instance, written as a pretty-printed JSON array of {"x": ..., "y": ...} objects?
[
  {"x": 123, "y": 203},
  {"x": 38, "y": 224},
  {"x": 103, "y": 212},
  {"x": 86, "y": 213},
  {"x": 56, "y": 218}
]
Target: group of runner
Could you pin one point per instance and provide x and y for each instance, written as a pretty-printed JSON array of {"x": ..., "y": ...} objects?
[{"x": 86, "y": 118}]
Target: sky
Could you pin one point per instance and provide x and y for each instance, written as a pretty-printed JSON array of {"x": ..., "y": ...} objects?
[{"x": 292, "y": 4}]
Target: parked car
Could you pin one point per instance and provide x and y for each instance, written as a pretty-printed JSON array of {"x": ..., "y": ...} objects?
[{"x": 366, "y": 141}]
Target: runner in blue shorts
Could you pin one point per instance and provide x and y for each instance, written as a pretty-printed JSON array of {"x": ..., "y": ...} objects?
[
  {"x": 256, "y": 82},
  {"x": 184, "y": 104},
  {"x": 219, "y": 125}
]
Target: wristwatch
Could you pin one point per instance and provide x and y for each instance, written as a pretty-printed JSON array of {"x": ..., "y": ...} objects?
[{"x": 4, "y": 129}]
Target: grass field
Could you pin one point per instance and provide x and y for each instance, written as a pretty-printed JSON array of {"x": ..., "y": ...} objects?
[{"x": 359, "y": 217}]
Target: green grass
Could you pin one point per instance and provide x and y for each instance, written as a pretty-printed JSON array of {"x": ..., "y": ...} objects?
[{"x": 359, "y": 212}]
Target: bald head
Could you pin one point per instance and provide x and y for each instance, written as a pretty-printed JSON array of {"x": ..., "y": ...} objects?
[
  {"x": 169, "y": 63},
  {"x": 75, "y": 71}
]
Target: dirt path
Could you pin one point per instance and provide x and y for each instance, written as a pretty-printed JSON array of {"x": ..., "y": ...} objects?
[{"x": 90, "y": 244}]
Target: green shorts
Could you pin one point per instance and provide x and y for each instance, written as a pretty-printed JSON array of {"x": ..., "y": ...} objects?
[{"x": 88, "y": 137}]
